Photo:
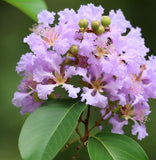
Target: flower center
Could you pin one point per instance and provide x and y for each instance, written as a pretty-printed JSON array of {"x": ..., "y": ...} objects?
[
  {"x": 127, "y": 111},
  {"x": 97, "y": 85},
  {"x": 50, "y": 36},
  {"x": 59, "y": 79},
  {"x": 104, "y": 47}
]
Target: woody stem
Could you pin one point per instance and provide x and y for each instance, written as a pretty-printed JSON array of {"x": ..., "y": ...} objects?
[{"x": 86, "y": 122}]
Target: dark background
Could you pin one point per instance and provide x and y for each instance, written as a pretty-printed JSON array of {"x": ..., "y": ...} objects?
[{"x": 14, "y": 27}]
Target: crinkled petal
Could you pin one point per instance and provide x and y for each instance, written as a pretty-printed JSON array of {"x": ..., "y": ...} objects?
[
  {"x": 90, "y": 12},
  {"x": 40, "y": 74},
  {"x": 72, "y": 91},
  {"x": 29, "y": 105},
  {"x": 70, "y": 72},
  {"x": 45, "y": 17},
  {"x": 97, "y": 100},
  {"x": 140, "y": 129},
  {"x": 83, "y": 72},
  {"x": 44, "y": 90},
  {"x": 53, "y": 61},
  {"x": 26, "y": 62},
  {"x": 118, "y": 21},
  {"x": 67, "y": 15},
  {"x": 61, "y": 46},
  {"x": 19, "y": 98},
  {"x": 117, "y": 124},
  {"x": 135, "y": 41},
  {"x": 36, "y": 43}
]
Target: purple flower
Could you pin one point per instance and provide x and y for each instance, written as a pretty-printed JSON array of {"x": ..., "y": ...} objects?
[
  {"x": 50, "y": 75},
  {"x": 112, "y": 71}
]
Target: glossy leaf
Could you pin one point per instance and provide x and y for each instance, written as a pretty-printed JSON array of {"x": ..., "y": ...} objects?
[
  {"x": 29, "y": 7},
  {"x": 109, "y": 146},
  {"x": 47, "y": 130}
]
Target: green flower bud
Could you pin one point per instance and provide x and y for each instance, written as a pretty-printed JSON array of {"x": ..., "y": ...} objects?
[
  {"x": 95, "y": 25},
  {"x": 52, "y": 96},
  {"x": 105, "y": 21},
  {"x": 82, "y": 29},
  {"x": 68, "y": 61},
  {"x": 74, "y": 49},
  {"x": 100, "y": 30},
  {"x": 83, "y": 23},
  {"x": 36, "y": 98}
]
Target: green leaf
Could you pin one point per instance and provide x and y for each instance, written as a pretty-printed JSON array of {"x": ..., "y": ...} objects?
[
  {"x": 109, "y": 146},
  {"x": 29, "y": 7},
  {"x": 47, "y": 130}
]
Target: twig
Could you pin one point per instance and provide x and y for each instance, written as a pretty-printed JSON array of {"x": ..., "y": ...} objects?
[
  {"x": 78, "y": 151},
  {"x": 68, "y": 144},
  {"x": 97, "y": 123},
  {"x": 78, "y": 132},
  {"x": 86, "y": 127}
]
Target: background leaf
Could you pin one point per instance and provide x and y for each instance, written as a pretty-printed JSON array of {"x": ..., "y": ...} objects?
[
  {"x": 47, "y": 130},
  {"x": 29, "y": 7},
  {"x": 109, "y": 146}
]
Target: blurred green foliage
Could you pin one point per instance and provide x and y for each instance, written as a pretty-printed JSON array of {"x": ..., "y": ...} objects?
[{"x": 14, "y": 27}]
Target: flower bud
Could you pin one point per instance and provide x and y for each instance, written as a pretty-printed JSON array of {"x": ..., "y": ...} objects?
[
  {"x": 74, "y": 49},
  {"x": 105, "y": 21},
  {"x": 52, "y": 96},
  {"x": 81, "y": 29},
  {"x": 69, "y": 61},
  {"x": 36, "y": 98},
  {"x": 83, "y": 23},
  {"x": 100, "y": 30},
  {"x": 95, "y": 25}
]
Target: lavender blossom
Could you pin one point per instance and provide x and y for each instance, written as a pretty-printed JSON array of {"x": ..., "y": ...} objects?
[{"x": 109, "y": 59}]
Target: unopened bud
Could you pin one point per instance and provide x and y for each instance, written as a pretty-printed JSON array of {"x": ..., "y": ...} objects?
[
  {"x": 52, "y": 96},
  {"x": 95, "y": 25},
  {"x": 36, "y": 98},
  {"x": 81, "y": 29},
  {"x": 74, "y": 49},
  {"x": 105, "y": 21},
  {"x": 100, "y": 30},
  {"x": 83, "y": 23},
  {"x": 69, "y": 61}
]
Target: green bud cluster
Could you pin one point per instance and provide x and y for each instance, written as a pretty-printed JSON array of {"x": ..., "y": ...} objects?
[{"x": 97, "y": 27}]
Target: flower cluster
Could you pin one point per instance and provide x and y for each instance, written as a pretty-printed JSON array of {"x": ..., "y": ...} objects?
[{"x": 105, "y": 54}]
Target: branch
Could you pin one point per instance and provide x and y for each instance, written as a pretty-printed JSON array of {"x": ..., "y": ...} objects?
[
  {"x": 98, "y": 123},
  {"x": 86, "y": 127}
]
